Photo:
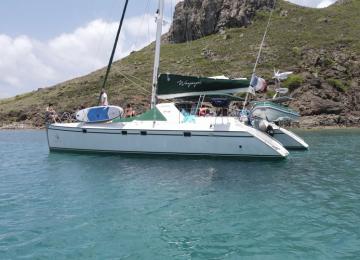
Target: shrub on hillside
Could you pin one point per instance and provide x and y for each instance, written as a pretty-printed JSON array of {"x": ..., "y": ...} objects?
[
  {"x": 270, "y": 93},
  {"x": 293, "y": 82},
  {"x": 337, "y": 84}
]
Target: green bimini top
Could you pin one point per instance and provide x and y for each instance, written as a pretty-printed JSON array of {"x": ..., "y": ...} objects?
[{"x": 151, "y": 115}]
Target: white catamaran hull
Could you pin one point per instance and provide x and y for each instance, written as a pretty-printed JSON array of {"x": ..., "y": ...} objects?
[
  {"x": 288, "y": 139},
  {"x": 85, "y": 138},
  {"x": 204, "y": 136}
]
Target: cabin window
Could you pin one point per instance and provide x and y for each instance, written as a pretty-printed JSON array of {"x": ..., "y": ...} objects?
[
  {"x": 124, "y": 132},
  {"x": 187, "y": 134},
  {"x": 84, "y": 131},
  {"x": 143, "y": 133}
]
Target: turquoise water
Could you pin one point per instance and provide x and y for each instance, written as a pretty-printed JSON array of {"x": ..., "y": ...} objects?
[{"x": 75, "y": 206}]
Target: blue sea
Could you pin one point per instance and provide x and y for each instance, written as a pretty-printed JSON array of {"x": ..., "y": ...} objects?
[{"x": 88, "y": 206}]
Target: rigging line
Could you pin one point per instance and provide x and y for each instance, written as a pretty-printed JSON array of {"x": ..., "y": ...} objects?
[
  {"x": 115, "y": 44},
  {"x": 139, "y": 79},
  {"x": 140, "y": 92},
  {"x": 134, "y": 83},
  {"x": 172, "y": 12},
  {"x": 141, "y": 52},
  {"x": 198, "y": 29},
  {"x": 187, "y": 33},
  {"x": 260, "y": 50},
  {"x": 142, "y": 21},
  {"x": 264, "y": 37},
  {"x": 105, "y": 32}
]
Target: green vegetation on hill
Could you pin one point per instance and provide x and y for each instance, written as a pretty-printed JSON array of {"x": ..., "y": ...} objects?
[{"x": 315, "y": 43}]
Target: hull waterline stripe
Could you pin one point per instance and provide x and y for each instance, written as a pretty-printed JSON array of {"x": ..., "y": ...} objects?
[
  {"x": 164, "y": 153},
  {"x": 300, "y": 147},
  {"x": 193, "y": 133}
]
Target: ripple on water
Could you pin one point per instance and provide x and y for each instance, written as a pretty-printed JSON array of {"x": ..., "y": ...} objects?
[{"x": 94, "y": 206}]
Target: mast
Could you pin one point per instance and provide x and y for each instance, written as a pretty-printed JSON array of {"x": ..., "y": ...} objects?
[
  {"x": 159, "y": 21},
  {"x": 115, "y": 44}
]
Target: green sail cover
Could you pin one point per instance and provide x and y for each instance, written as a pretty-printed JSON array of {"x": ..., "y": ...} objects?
[{"x": 177, "y": 86}]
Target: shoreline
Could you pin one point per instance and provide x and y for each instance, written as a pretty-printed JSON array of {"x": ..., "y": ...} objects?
[
  {"x": 20, "y": 126},
  {"x": 24, "y": 126}
]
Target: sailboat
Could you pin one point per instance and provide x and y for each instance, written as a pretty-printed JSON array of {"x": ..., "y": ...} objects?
[{"x": 164, "y": 129}]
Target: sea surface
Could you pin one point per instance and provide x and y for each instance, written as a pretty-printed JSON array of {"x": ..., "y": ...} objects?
[{"x": 88, "y": 206}]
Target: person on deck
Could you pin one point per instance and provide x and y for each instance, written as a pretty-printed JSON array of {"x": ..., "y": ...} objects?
[
  {"x": 50, "y": 115},
  {"x": 203, "y": 110},
  {"x": 103, "y": 98},
  {"x": 246, "y": 113},
  {"x": 129, "y": 112}
]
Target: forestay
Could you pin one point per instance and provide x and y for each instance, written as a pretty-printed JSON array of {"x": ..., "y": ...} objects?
[{"x": 177, "y": 86}]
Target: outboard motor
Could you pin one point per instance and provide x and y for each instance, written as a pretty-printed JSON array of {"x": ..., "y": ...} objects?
[
  {"x": 262, "y": 125},
  {"x": 266, "y": 127},
  {"x": 270, "y": 130}
]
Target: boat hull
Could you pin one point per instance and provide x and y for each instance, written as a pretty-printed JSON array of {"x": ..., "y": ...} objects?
[
  {"x": 289, "y": 139},
  {"x": 155, "y": 141},
  {"x": 273, "y": 113}
]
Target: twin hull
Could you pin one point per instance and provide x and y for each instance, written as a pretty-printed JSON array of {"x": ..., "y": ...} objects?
[
  {"x": 119, "y": 138},
  {"x": 288, "y": 139}
]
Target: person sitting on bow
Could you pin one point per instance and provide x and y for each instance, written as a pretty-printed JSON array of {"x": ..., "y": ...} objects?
[
  {"x": 50, "y": 114},
  {"x": 129, "y": 112}
]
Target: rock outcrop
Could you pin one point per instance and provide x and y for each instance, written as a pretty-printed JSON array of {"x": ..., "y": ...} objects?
[{"x": 194, "y": 19}]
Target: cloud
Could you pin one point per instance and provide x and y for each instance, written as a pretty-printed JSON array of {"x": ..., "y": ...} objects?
[
  {"x": 20, "y": 64},
  {"x": 172, "y": 2},
  {"x": 313, "y": 3},
  {"x": 325, "y": 3},
  {"x": 28, "y": 63}
]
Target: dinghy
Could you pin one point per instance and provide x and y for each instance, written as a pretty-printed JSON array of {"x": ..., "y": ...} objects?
[{"x": 273, "y": 112}]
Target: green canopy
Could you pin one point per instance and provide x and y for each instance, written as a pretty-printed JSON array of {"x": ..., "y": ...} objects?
[
  {"x": 177, "y": 86},
  {"x": 150, "y": 115}
]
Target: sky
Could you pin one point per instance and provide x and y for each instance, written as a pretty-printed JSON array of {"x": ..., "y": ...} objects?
[{"x": 44, "y": 42}]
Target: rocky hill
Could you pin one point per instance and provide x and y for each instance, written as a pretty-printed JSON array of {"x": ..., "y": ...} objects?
[
  {"x": 322, "y": 47},
  {"x": 194, "y": 19}
]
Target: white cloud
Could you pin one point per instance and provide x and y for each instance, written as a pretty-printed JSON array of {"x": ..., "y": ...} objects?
[
  {"x": 172, "y": 2},
  {"x": 27, "y": 63},
  {"x": 325, "y": 3},
  {"x": 313, "y": 3}
]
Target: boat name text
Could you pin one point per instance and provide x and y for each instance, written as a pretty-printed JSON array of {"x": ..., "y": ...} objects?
[{"x": 188, "y": 84}]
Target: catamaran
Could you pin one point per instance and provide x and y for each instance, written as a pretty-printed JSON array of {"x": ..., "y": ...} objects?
[{"x": 164, "y": 129}]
